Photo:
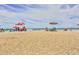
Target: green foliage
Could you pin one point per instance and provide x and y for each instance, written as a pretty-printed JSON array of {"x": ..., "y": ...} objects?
[{"x": 52, "y": 29}]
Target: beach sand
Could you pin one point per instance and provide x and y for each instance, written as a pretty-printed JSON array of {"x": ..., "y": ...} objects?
[{"x": 39, "y": 43}]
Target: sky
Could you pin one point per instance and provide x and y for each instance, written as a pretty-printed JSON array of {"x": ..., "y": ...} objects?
[{"x": 39, "y": 15}]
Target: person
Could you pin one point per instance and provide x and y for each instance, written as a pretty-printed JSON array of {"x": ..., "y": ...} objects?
[
  {"x": 65, "y": 29},
  {"x": 24, "y": 28},
  {"x": 1, "y": 30},
  {"x": 46, "y": 29}
]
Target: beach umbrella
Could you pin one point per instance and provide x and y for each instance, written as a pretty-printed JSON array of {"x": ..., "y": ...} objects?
[{"x": 20, "y": 23}]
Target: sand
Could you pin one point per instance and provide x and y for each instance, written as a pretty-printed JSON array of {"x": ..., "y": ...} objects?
[{"x": 39, "y": 43}]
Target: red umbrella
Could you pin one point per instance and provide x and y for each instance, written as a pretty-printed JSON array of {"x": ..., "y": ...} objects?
[{"x": 20, "y": 23}]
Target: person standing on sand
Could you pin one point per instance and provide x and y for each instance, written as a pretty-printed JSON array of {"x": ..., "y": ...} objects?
[{"x": 46, "y": 29}]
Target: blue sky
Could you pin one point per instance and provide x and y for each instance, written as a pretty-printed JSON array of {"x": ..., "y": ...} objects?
[{"x": 39, "y": 15}]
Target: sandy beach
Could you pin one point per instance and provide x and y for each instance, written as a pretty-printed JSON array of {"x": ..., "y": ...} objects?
[{"x": 39, "y": 43}]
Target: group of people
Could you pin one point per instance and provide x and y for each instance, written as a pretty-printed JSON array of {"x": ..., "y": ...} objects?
[
  {"x": 20, "y": 29},
  {"x": 1, "y": 30},
  {"x": 14, "y": 29},
  {"x": 55, "y": 29}
]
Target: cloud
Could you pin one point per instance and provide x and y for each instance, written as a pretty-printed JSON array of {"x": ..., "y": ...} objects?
[{"x": 39, "y": 15}]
